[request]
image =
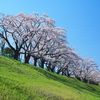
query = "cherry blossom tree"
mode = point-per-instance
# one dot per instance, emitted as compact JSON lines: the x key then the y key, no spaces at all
{"x":13,"y":30}
{"x":69,"y":59}
{"x":94,"y":77}
{"x":39,"y":40}
{"x":22,"y":28}
{"x":85,"y":69}
{"x":45,"y":41}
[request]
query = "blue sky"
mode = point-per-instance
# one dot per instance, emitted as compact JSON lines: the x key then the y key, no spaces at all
{"x":81,"y":19}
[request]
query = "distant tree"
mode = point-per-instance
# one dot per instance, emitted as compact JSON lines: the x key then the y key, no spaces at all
{"x":94,"y":77}
{"x":85,"y":69}
{"x":68,"y":62}
{"x":8,"y":51}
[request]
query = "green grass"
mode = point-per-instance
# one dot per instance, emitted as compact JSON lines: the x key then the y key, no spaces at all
{"x":19,"y":81}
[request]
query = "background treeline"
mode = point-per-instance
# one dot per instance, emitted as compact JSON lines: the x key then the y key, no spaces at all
{"x":36,"y":38}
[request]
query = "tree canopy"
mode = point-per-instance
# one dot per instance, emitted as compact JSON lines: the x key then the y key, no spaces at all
{"x":39,"y":40}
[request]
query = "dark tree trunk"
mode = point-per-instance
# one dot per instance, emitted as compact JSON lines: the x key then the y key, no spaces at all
{"x":2,"y":47}
{"x":67,"y":71}
{"x":59,"y":70}
{"x":53,"y":69}
{"x":42,"y":63}
{"x":85,"y":80}
{"x":78,"y":78}
{"x":63,"y":73}
{"x":48,"y":66}
{"x":27,"y":58}
{"x":16,"y":55}
{"x":68,"y":74}
{"x":35,"y":61}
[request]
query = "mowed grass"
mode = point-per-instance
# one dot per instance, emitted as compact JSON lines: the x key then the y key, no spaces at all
{"x":19,"y":81}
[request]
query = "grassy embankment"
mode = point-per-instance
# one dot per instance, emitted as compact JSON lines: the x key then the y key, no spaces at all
{"x":19,"y":81}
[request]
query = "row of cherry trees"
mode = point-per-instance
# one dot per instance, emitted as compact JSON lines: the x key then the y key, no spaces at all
{"x":41,"y":42}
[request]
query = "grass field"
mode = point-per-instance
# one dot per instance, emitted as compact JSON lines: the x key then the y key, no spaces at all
{"x":19,"y":81}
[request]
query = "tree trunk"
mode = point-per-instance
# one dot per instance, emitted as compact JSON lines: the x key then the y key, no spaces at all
{"x":2,"y":47}
{"x":16,"y":55}
{"x":85,"y":80}
{"x":53,"y":69}
{"x":48,"y":66}
{"x":42,"y":63}
{"x":35,"y":61}
{"x":59,"y":70}
{"x":68,"y":74}
{"x":27,"y":58}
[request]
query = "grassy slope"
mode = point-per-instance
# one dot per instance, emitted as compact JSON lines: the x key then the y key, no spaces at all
{"x":20,"y":81}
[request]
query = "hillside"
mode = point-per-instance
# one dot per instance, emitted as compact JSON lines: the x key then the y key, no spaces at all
{"x":19,"y":81}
